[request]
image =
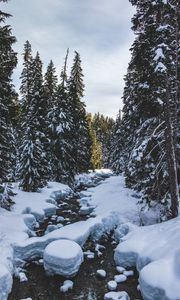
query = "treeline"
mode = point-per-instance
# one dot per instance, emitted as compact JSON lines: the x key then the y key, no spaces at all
{"x":147,"y":137}
{"x":46,"y":133}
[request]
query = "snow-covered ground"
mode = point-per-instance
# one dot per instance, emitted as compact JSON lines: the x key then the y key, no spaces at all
{"x":155,"y":251}
{"x":29,"y":208}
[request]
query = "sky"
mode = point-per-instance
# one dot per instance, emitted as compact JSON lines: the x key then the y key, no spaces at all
{"x":98,"y":29}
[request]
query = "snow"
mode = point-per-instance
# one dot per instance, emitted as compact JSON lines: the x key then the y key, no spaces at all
{"x":116,"y":296}
{"x":111,"y":196}
{"x":120,"y":278}
{"x":101,"y":273}
{"x":63,"y":257}
{"x":18,"y":224}
{"x":67,"y":285}
{"x":120,"y":269}
{"x":155,"y":251}
{"x":43,"y":203}
{"x":160,"y":67}
{"x":112,"y":202}
{"x":112,"y":285}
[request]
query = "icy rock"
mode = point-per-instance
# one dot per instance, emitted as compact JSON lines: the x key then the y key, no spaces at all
{"x":101,"y":273}
{"x":120,"y":278}
{"x":116,"y":296}
{"x":112,"y":285}
{"x":120,"y":269}
{"x":63,"y":257}
{"x":85,"y":210}
{"x":53,"y":218}
{"x":89,"y":254}
{"x":50,"y":228}
{"x":60,"y":219}
{"x":128,"y":273}
{"x":27,"y":299}
{"x":67,"y":285}
{"x":22,"y":277}
{"x":41,"y":261}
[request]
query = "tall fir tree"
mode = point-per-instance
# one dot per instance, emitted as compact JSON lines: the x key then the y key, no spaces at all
{"x":143,"y":123}
{"x":61,"y":128}
{"x":81,"y":140}
{"x":33,"y":165}
{"x":8,"y":61}
{"x":96,"y":148}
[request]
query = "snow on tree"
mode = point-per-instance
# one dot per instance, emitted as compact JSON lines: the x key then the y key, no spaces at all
{"x":33,"y":165}
{"x":143,"y":123}
{"x":61,"y":133}
{"x":81,"y":140}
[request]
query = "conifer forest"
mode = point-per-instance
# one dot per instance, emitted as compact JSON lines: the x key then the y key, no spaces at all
{"x":89,"y":200}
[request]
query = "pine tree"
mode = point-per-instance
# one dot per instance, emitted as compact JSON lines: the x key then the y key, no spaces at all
{"x":61,"y":128}
{"x":25,"y":88}
{"x":96,"y":149}
{"x":50,"y":95}
{"x":104,"y":129}
{"x":143,"y":123}
{"x":81,"y":140}
{"x":116,"y":162}
{"x":8,"y":61}
{"x":33,"y":166}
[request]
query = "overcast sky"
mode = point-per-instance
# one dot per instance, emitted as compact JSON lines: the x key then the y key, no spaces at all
{"x":98,"y":29}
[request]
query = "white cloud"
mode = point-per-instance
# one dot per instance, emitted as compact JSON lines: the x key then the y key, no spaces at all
{"x":98,"y":29}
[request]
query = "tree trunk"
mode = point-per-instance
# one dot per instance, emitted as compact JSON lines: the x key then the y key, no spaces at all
{"x":170,"y":155}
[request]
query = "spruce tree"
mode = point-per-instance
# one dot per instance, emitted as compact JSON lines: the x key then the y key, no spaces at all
{"x":143,"y":124}
{"x":96,"y":148}
{"x":116,"y":162}
{"x":33,"y":166}
{"x":81,"y":140}
{"x":8,"y":61}
{"x":61,"y":128}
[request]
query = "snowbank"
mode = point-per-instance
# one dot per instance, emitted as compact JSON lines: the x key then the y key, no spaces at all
{"x":41,"y":204}
{"x":155,"y":251}
{"x":18,"y":224}
{"x":63,"y":257}
{"x":92,"y":178}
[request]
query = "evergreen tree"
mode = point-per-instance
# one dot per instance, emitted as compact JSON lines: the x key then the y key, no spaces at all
{"x":33,"y":166}
{"x":104,"y":129}
{"x":116,"y":162}
{"x":96,"y":149}
{"x":80,"y":135}
{"x":61,"y":128}
{"x":50,"y":95}
{"x":25,"y":88}
{"x":8,"y":61}
{"x":143,"y":124}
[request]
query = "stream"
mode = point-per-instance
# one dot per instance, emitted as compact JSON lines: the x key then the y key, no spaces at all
{"x":87,"y":285}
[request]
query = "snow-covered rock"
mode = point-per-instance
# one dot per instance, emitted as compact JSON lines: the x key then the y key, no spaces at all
{"x":63,"y":257}
{"x":101,"y":273}
{"x":128,"y":273}
{"x":50,"y":228}
{"x":112,"y":285}
{"x":120,"y":278}
{"x":22,"y":277}
{"x":116,"y":296}
{"x":67,"y":285}
{"x":120,"y":269}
